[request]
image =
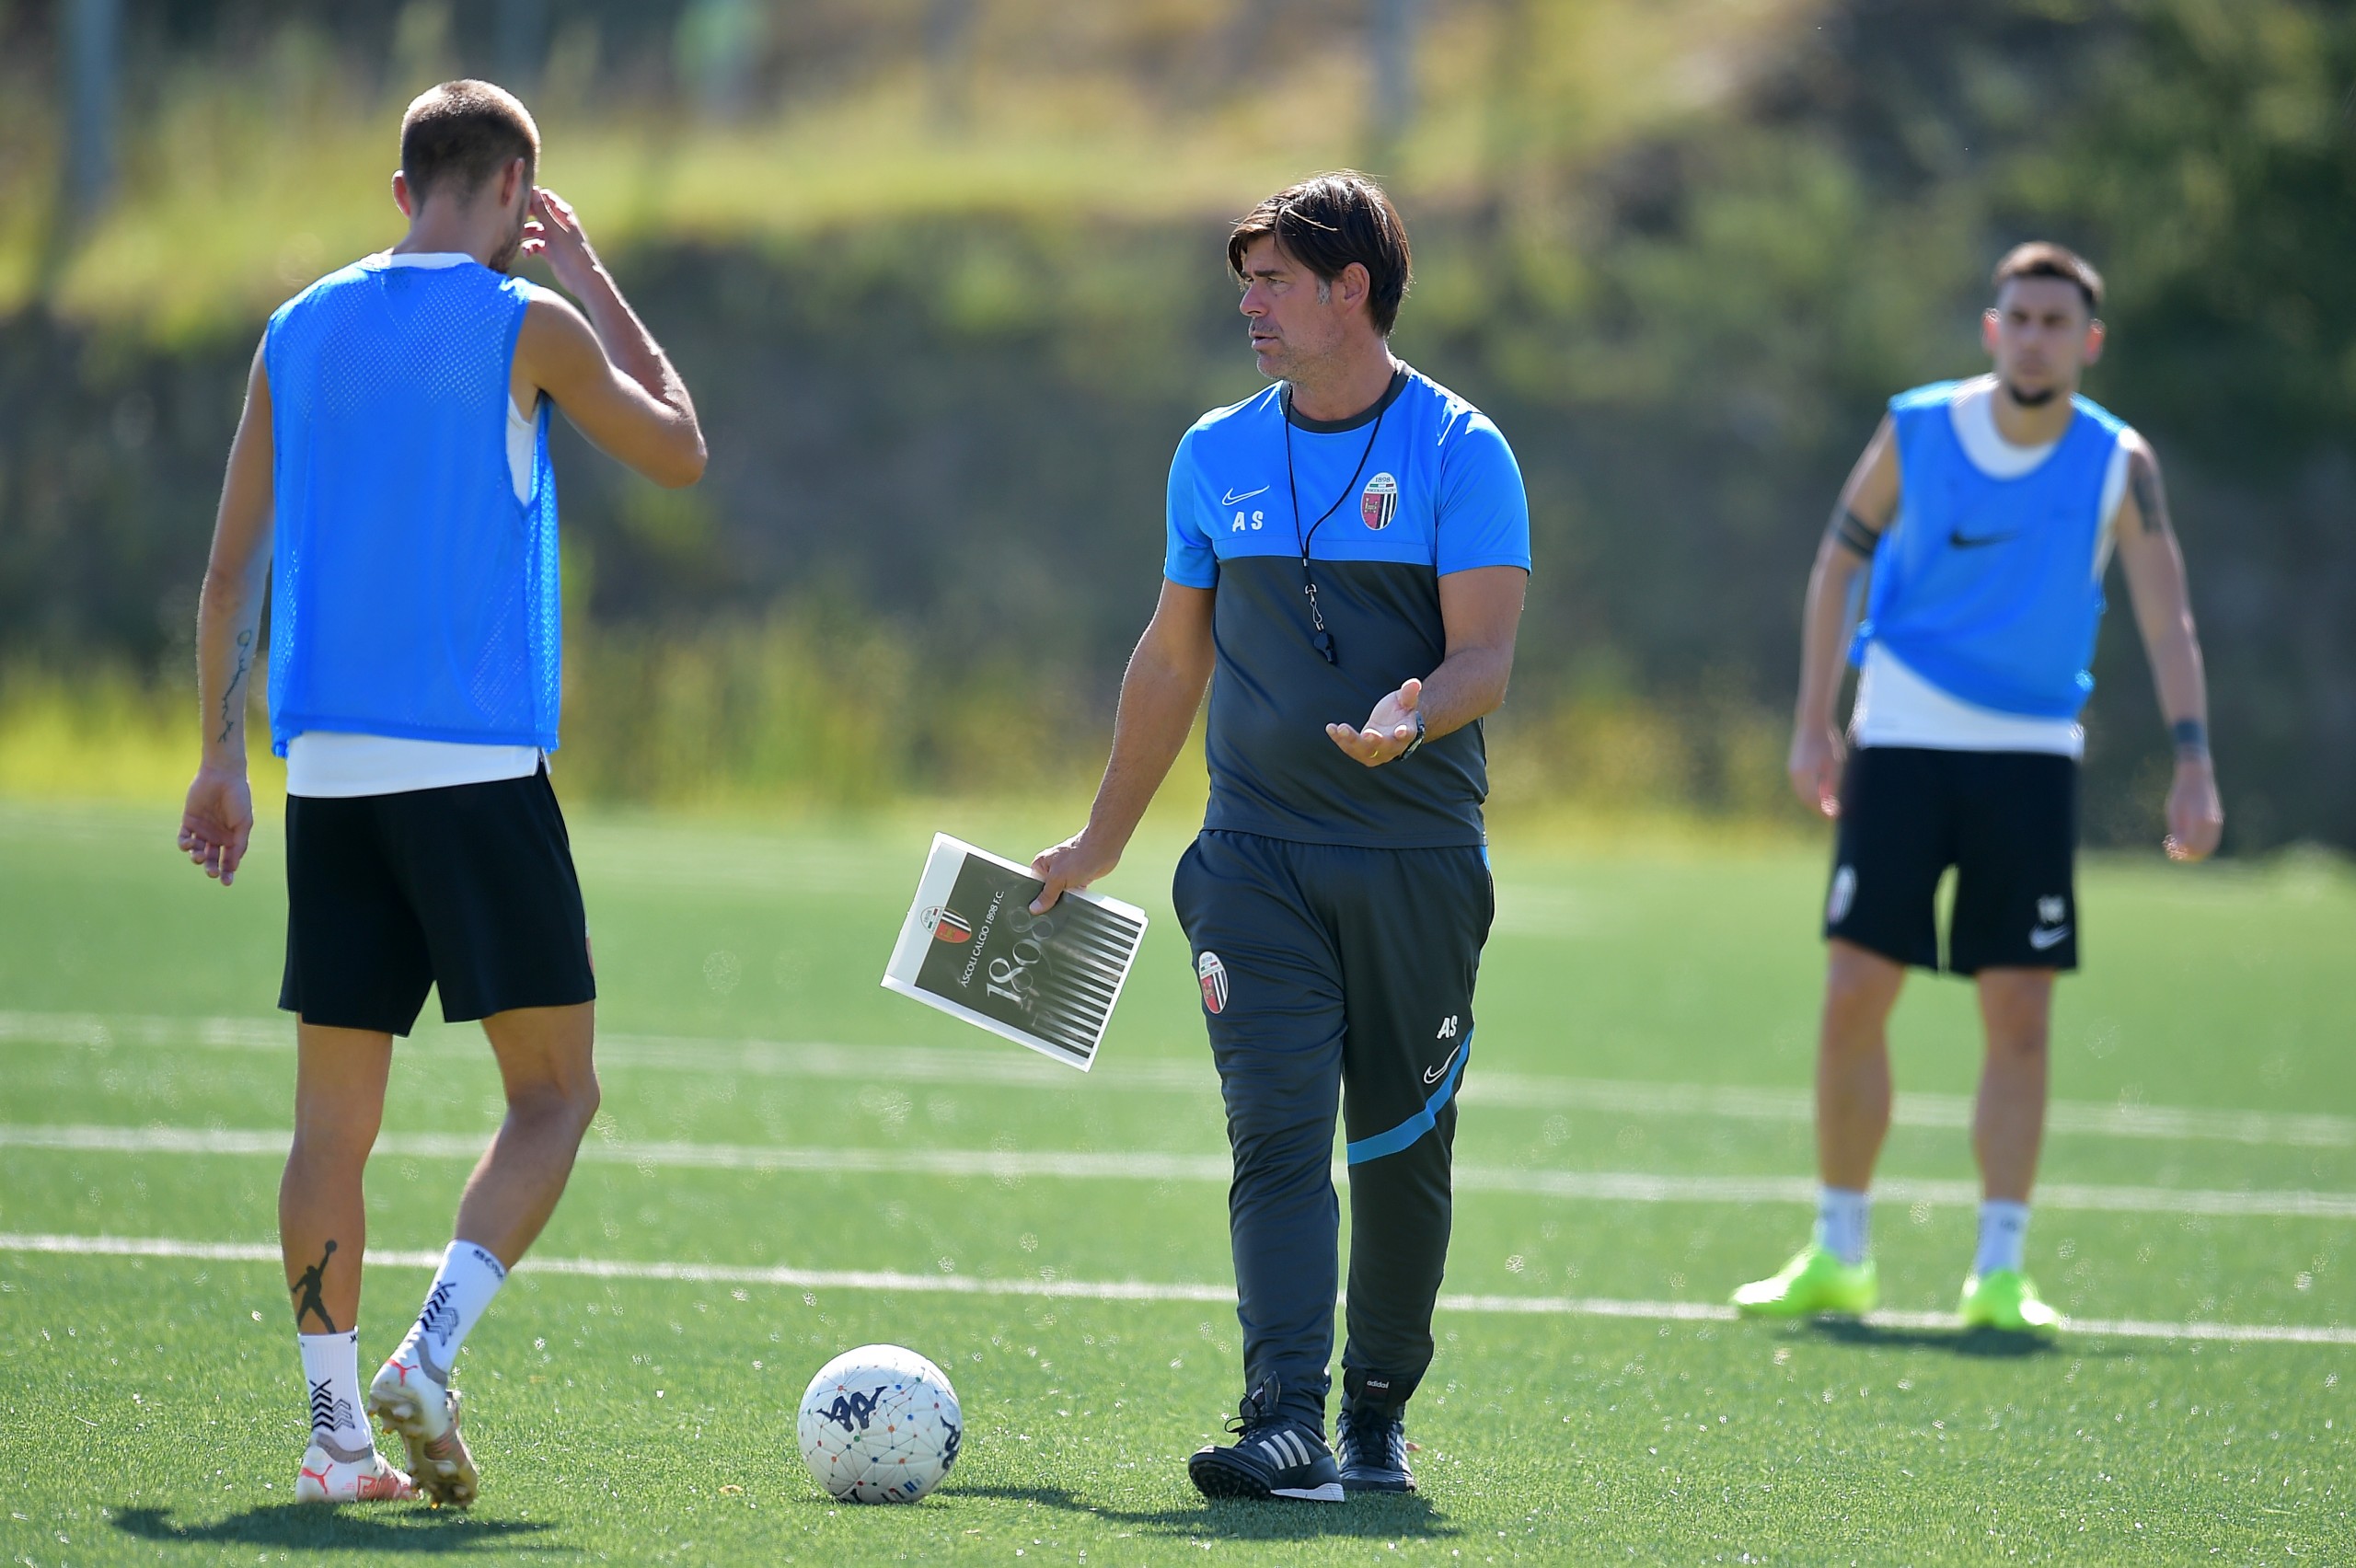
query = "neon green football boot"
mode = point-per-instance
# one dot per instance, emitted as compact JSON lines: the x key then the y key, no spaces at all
{"x":2006,"y":1299}
{"x":1816,"y":1281}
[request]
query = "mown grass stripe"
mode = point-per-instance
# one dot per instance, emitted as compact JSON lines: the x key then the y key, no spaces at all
{"x":985,"y":1064}
{"x":1593,"y":1186}
{"x":1115,"y":1290}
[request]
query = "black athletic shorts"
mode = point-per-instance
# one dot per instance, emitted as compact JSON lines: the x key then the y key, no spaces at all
{"x":2007,"y":820}
{"x":470,"y":888}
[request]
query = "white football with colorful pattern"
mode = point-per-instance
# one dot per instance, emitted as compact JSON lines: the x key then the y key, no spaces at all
{"x":880,"y":1424}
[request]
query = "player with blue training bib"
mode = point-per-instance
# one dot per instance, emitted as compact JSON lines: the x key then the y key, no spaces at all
{"x":391,"y":472}
{"x":1988,"y":511}
{"x":1347,"y":554}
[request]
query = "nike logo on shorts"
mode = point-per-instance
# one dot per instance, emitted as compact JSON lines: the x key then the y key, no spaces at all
{"x":1433,"y":1074}
{"x":2046,"y":937}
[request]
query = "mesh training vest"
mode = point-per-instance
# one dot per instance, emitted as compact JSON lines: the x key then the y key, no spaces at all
{"x":1989,"y":588}
{"x":414,"y":595}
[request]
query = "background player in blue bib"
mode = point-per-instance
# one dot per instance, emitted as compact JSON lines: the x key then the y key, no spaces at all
{"x":1988,"y":511}
{"x":392,"y":466}
{"x":1347,"y":557}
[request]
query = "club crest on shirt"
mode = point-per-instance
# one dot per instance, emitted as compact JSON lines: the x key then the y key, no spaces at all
{"x":947,"y":926}
{"x":1379,"y":502}
{"x":1213,"y":975}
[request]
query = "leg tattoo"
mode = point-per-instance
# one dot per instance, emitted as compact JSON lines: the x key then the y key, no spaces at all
{"x":307,"y":1289}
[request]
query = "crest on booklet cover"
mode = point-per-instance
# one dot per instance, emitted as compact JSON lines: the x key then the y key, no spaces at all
{"x":947,"y":925}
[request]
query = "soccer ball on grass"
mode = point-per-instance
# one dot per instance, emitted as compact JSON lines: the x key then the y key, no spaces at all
{"x":880,"y":1424}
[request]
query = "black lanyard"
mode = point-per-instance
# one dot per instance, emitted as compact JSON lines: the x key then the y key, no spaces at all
{"x":1321,"y":639}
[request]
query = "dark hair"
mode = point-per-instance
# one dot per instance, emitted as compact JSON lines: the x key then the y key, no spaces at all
{"x":1325,"y":222}
{"x":2043,"y":259}
{"x":461,"y":133}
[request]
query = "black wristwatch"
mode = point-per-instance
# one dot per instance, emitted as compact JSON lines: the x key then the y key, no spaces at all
{"x":1416,"y":742}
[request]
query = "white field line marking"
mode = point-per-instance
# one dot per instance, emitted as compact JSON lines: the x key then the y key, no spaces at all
{"x":1115,"y":1290}
{"x":1005,"y":1164}
{"x":1009,"y":1165}
{"x":771,"y":1059}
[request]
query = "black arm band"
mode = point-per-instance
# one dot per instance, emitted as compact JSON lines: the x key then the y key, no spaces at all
{"x":1854,"y":535}
{"x":2191,"y":737}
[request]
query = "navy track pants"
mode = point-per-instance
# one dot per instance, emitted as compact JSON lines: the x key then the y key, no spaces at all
{"x":1336,"y":978}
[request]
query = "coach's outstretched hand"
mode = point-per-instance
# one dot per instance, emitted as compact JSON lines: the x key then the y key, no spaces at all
{"x":1814,"y":767}
{"x":218,"y":822}
{"x":2196,"y":816}
{"x":1388,"y":731}
{"x":1076,"y":862}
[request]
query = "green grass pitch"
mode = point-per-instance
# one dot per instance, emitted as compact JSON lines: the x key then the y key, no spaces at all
{"x":1634,"y":1136}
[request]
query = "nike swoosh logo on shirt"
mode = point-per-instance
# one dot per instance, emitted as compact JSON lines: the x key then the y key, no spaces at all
{"x":1231,"y":497}
{"x":2041,"y":940}
{"x":1955,"y":537}
{"x":1433,"y":1074}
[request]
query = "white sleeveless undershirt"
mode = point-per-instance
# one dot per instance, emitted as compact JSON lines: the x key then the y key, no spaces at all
{"x":332,"y":764}
{"x":1896,"y":706}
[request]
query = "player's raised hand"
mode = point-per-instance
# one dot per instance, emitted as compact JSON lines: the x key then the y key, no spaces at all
{"x":1388,"y":732}
{"x":1076,"y":862}
{"x":555,"y":232}
{"x":2196,"y":816}
{"x":217,"y":823}
{"x":1814,"y":767}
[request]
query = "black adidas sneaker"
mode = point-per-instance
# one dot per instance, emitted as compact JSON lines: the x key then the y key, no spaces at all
{"x":1274,"y":1456}
{"x":1372,"y":1441}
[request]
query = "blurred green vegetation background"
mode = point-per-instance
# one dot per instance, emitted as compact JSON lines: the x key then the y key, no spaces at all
{"x":946,"y":279}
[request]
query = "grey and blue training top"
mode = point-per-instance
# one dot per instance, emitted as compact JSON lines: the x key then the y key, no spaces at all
{"x":1386,"y":513}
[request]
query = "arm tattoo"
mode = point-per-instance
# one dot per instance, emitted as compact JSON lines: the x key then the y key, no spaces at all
{"x":2191,"y":738}
{"x":230,"y":705}
{"x":2151,"y":497}
{"x":1855,"y":535}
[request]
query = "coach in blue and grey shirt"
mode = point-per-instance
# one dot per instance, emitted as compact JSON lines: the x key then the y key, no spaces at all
{"x":1352,"y":541}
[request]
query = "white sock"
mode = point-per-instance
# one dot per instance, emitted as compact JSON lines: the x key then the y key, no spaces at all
{"x":331,"y":1374}
{"x":1842,"y":1221}
{"x":463,"y":1286}
{"x":2003,"y":1236}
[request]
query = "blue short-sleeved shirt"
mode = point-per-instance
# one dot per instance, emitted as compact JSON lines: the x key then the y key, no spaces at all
{"x":1437,"y":492}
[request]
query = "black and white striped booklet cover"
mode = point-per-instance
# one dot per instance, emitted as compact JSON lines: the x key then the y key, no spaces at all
{"x":972,"y":947}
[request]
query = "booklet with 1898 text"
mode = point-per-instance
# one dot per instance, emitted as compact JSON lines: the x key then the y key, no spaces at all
{"x":972,"y":947}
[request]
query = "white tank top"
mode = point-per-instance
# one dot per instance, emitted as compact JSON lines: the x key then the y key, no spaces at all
{"x":333,"y":764}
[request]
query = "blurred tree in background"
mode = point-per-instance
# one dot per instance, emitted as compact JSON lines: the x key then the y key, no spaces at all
{"x":945,"y":276}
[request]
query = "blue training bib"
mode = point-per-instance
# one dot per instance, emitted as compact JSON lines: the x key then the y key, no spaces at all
{"x":414,"y":596}
{"x":1991,"y":589}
